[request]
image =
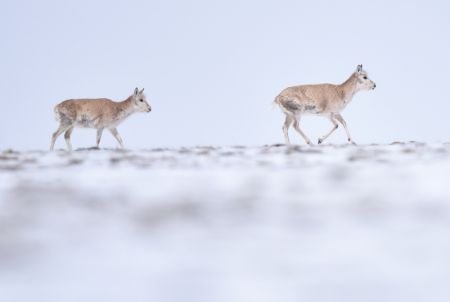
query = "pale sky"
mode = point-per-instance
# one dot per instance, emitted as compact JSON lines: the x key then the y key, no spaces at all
{"x":211,"y":69}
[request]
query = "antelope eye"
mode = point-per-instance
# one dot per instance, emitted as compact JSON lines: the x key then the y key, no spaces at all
{"x":141,"y":100}
{"x":365,"y":78}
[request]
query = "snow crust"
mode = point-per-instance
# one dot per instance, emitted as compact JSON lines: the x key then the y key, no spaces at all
{"x":270,"y":223}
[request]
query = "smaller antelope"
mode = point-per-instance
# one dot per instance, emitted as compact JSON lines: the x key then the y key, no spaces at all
{"x":98,"y":114}
{"x":321,"y":99}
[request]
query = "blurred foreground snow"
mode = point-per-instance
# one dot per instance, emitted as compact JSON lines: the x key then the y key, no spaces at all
{"x":323,"y":223}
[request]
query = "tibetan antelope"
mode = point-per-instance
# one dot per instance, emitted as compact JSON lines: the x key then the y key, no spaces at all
{"x":98,"y":114}
{"x":327,"y":100}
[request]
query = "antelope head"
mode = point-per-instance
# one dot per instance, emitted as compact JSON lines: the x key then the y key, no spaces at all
{"x":140,"y":101}
{"x":364,"y":83}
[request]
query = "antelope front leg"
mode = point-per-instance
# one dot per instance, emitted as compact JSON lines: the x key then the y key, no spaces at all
{"x":99,"y":136}
{"x":342,"y":121}
{"x":116,"y":135}
{"x":335,"y":126}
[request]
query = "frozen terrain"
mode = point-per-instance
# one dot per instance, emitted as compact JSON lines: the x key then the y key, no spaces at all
{"x":271,"y":223}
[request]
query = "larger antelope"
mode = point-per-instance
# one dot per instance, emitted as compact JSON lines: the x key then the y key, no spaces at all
{"x":98,"y":114}
{"x":321,"y":99}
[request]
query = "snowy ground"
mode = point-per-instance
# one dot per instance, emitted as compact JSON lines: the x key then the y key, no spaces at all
{"x":323,"y":223}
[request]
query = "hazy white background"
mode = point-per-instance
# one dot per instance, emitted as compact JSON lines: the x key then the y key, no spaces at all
{"x":212,"y":68}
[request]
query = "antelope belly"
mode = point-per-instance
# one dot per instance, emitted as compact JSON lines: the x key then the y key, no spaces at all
{"x":87,"y":122}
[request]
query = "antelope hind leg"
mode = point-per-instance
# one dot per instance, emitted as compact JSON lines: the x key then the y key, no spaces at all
{"x":287,"y":123}
{"x":297,"y":128}
{"x":67,"y":138}
{"x":57,"y":133}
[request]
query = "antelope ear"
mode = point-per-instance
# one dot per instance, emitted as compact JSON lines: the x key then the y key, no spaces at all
{"x":359,"y":68}
{"x":140,"y":92}
{"x":136,"y":91}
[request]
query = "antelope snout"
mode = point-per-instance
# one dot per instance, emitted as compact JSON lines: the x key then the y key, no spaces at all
{"x":149,"y":109}
{"x":374,"y":86}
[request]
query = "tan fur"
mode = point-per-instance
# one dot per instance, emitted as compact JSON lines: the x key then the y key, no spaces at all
{"x":98,"y":114}
{"x":321,"y":99}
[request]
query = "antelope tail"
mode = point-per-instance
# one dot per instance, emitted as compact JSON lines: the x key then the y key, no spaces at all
{"x":57,"y":114}
{"x":276,"y":101}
